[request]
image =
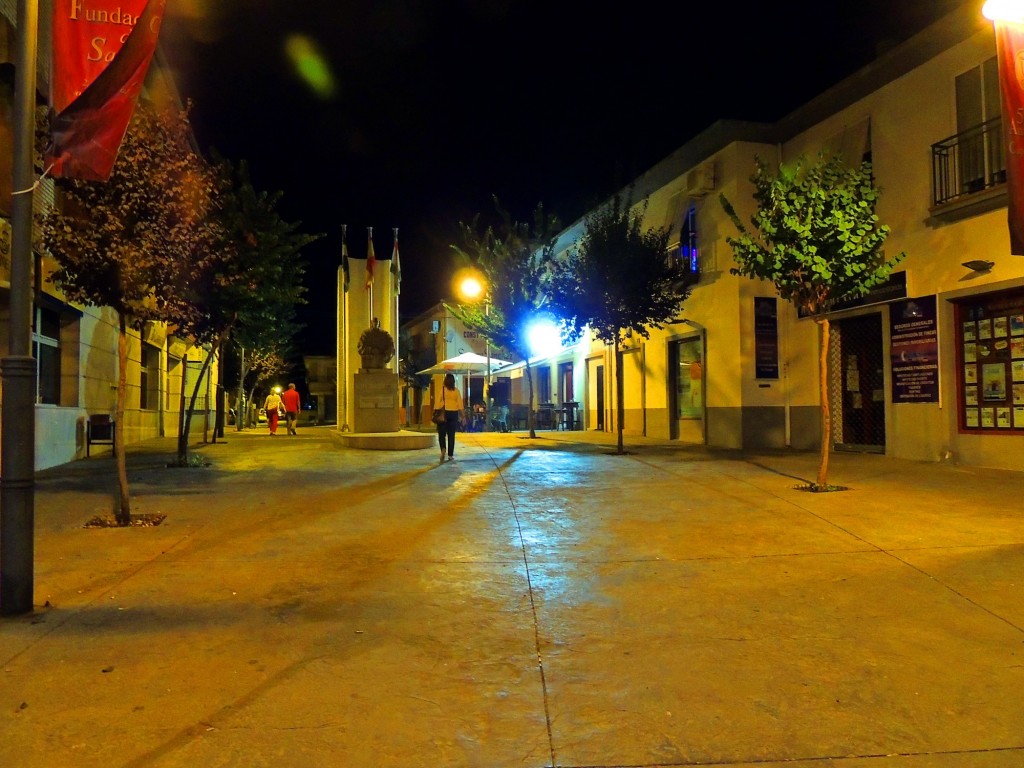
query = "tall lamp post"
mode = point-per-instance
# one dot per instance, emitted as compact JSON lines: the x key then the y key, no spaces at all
{"x":17,"y":457}
{"x":471,"y":287}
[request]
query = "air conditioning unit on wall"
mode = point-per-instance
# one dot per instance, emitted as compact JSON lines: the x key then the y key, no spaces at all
{"x":701,"y":180}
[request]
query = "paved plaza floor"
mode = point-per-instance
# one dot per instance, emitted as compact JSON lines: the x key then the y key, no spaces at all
{"x":536,"y":603}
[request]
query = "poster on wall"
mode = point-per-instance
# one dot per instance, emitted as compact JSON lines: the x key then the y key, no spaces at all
{"x":993,"y":382}
{"x":913,"y":333}
{"x":766,"y":338}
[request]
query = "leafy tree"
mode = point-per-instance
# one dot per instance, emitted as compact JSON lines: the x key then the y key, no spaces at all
{"x":134,"y":242}
{"x":258,"y":362}
{"x":252,"y":285}
{"x":618,"y":280}
{"x":412,"y":358}
{"x":264,"y":364}
{"x":515,"y":259}
{"x":815,"y":236}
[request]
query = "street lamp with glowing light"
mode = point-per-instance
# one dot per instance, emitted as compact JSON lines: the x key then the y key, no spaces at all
{"x":543,"y":337}
{"x":1004,"y":10}
{"x":471,"y":287}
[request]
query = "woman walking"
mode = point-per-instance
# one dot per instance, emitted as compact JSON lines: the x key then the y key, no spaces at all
{"x":450,"y":400}
{"x":271,"y":406}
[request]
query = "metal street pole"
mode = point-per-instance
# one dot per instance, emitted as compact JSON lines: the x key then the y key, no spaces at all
{"x":18,"y":369}
{"x":487,"y":383}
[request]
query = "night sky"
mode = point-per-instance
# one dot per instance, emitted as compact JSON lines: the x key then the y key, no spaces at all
{"x":422,"y":111}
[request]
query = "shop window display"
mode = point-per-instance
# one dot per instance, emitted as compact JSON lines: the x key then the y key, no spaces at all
{"x":990,"y":356}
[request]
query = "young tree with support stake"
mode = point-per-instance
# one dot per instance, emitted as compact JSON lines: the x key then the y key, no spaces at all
{"x":815,"y":236}
{"x":619,"y":280}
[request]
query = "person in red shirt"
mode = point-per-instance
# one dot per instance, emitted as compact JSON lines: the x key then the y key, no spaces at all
{"x":290,"y":398}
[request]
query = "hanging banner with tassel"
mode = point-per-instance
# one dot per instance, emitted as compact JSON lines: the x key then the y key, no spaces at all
{"x":101,"y":53}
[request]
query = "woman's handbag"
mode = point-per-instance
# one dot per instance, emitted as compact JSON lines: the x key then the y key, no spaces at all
{"x":439,"y":416}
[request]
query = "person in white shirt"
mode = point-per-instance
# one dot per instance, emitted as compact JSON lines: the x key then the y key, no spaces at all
{"x":450,"y":400}
{"x":271,"y":406}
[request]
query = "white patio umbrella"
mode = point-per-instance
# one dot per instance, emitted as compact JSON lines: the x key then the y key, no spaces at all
{"x":467,"y":362}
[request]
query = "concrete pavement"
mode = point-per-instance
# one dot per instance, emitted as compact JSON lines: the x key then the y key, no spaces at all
{"x":536,"y":603}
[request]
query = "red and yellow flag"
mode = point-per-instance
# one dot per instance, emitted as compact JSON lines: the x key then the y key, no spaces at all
{"x":371,"y":262}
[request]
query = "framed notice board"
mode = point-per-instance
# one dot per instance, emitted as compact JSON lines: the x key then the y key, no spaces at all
{"x":990,"y":363}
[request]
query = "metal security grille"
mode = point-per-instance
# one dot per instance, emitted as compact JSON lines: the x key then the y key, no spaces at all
{"x":835,"y":383}
{"x":857,"y":378}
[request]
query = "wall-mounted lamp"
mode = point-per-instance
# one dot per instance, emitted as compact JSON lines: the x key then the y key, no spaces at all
{"x":979,"y":265}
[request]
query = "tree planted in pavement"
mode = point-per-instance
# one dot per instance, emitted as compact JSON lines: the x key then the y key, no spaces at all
{"x":134,"y":242}
{"x":252,"y":285}
{"x":618,"y":281}
{"x":816,"y":237}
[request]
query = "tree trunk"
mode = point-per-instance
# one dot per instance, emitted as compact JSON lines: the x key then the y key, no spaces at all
{"x":181,"y":403}
{"x":826,"y":416}
{"x":241,"y":404}
{"x":620,"y":396}
{"x":203,"y":370}
{"x":529,"y":405}
{"x":221,"y":416}
{"x":251,"y":414}
{"x":124,"y":507}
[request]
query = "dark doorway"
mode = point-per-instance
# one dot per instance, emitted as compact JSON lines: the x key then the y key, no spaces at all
{"x":863,"y":383}
{"x":600,"y":398}
{"x":501,"y":391}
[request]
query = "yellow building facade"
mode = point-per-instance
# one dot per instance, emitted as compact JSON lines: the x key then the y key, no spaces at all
{"x":928,"y":367}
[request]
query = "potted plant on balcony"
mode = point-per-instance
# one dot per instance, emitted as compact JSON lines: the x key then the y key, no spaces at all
{"x":376,"y":347}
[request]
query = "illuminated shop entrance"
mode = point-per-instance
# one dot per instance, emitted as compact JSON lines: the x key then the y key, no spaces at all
{"x":686,"y":366}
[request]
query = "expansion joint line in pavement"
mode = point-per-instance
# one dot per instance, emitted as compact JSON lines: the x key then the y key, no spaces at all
{"x":881,"y":550}
{"x":533,"y":604}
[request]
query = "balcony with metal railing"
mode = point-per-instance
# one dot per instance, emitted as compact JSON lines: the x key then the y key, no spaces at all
{"x":969,"y":172}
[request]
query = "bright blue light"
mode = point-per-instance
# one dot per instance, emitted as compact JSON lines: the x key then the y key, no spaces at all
{"x":543,"y":337}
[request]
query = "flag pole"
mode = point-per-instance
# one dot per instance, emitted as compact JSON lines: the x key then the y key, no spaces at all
{"x":344,"y":313}
{"x":394,"y":322}
{"x":370,"y":263}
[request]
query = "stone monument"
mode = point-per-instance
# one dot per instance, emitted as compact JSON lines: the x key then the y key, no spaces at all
{"x":376,"y":385}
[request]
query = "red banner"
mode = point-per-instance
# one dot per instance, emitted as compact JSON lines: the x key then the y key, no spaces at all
{"x":1010,"y":51}
{"x":102,"y":50}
